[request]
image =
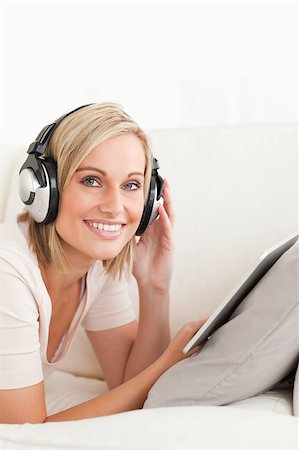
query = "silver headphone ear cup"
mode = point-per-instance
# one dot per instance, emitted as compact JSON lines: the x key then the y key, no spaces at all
{"x":28,"y":185}
{"x":40,"y":205}
{"x":155,"y":210}
{"x":38,"y":188}
{"x":41,"y":201}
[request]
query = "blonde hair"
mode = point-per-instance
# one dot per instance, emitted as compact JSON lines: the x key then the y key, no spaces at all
{"x":75,"y":137}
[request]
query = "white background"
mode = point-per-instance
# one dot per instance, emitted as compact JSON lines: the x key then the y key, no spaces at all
{"x":170,"y":64}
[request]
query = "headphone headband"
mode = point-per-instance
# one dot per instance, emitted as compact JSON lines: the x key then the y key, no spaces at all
{"x":43,"y":138}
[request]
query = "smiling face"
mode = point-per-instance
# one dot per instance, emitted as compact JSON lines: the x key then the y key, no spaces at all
{"x":101,"y":207}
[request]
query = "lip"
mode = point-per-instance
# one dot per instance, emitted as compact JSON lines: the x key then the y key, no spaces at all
{"x":105,"y":221}
{"x":107,"y":235}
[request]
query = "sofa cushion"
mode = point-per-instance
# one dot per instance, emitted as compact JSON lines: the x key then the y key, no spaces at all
{"x":249,"y":354}
{"x":185,"y":428}
{"x":64,"y":390}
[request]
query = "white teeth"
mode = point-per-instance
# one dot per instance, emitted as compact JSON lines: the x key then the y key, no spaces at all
{"x":105,"y":227}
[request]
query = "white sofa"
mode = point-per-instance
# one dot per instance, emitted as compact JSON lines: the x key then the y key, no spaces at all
{"x":235,"y":191}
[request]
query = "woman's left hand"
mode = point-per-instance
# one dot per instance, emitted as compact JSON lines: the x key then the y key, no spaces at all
{"x":153,"y":259}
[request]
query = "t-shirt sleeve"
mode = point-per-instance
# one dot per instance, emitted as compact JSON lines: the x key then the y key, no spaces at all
{"x":110,"y":307}
{"x":20,"y":361}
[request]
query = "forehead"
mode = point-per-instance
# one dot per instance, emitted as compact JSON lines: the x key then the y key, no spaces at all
{"x":120,"y":152}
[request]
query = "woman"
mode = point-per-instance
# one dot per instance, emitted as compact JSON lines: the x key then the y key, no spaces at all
{"x":65,"y":263}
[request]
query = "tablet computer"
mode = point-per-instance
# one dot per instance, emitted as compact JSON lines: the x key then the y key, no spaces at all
{"x":241,"y":290}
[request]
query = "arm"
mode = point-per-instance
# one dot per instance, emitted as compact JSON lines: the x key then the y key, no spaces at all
{"x":28,"y":404}
{"x":152,"y":270}
{"x":133,"y":393}
{"x":122,"y":349}
{"x":125,"y":351}
{"x":153,"y":333}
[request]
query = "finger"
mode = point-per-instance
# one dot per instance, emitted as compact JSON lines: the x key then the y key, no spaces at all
{"x":197,"y":324}
{"x":195,"y":350}
{"x":165,"y":221}
{"x":168,"y":205}
{"x":192,"y":327}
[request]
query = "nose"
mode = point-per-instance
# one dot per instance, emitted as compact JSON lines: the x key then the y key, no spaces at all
{"x":111,"y":202}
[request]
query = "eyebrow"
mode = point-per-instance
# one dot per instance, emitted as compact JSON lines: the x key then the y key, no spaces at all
{"x":95,"y":169}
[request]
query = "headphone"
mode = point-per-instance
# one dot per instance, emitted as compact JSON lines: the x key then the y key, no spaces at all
{"x":38,"y":187}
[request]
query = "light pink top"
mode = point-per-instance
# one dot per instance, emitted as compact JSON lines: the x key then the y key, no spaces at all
{"x":25,"y":310}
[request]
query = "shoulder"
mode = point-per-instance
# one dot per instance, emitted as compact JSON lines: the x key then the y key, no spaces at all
{"x":13,"y":237}
{"x":108,"y":301}
{"x":99,"y":279}
{"x":103,"y":289}
{"x":15,"y":254}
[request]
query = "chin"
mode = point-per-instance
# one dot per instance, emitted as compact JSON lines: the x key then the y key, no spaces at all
{"x":108,"y":254}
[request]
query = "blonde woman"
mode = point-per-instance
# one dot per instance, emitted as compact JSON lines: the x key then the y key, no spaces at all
{"x":86,"y":184}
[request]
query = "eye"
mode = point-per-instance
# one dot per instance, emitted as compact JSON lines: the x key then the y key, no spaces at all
{"x":132,"y":186}
{"x":91,"y":182}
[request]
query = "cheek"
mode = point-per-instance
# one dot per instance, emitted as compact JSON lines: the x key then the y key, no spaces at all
{"x":70,"y":206}
{"x":73,"y":202}
{"x":137,"y":209}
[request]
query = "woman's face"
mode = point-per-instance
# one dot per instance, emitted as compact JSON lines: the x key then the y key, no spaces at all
{"x":101,"y":207}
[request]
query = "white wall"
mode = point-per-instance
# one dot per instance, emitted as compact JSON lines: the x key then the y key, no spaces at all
{"x":170,"y":64}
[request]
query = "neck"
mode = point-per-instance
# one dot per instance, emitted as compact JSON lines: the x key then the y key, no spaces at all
{"x":60,"y":283}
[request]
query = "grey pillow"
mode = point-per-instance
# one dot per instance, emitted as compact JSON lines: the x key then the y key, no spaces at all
{"x":249,"y":354}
